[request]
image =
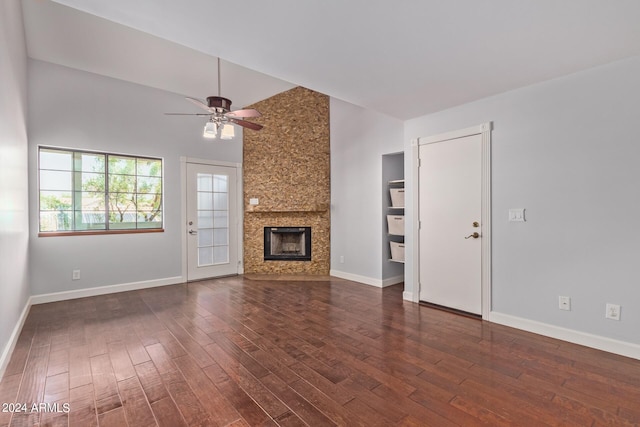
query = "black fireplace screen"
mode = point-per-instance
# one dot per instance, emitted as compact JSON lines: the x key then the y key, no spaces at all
{"x":287,"y":243}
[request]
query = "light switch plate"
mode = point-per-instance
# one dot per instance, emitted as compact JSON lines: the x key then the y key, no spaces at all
{"x":253,"y":201}
{"x":516,"y":215}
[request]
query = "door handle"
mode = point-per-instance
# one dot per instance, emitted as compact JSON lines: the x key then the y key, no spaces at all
{"x":474,"y":235}
{"x":192,"y":232}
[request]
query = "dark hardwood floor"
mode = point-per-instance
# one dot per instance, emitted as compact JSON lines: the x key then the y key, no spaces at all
{"x":240,"y":352}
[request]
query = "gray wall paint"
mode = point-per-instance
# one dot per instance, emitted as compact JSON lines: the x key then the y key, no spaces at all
{"x":70,"y":108}
{"x":14,"y":224}
{"x":567,"y":150}
{"x":359,"y":138}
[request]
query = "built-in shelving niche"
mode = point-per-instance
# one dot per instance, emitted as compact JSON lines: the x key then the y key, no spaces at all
{"x":392,"y":178}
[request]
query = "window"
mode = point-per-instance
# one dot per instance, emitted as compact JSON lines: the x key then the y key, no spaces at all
{"x":85,"y":192}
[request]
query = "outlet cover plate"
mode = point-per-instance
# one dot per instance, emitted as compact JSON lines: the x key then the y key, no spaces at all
{"x":613,"y":312}
{"x":564,"y":303}
{"x":516,"y":215}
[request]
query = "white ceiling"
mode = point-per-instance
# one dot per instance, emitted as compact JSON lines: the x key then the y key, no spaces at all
{"x":403,"y":58}
{"x":69,"y":37}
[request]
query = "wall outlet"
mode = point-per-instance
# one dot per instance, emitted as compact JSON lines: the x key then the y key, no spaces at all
{"x":564,"y":303}
{"x":613,"y":312}
{"x":75,"y":275}
{"x":341,"y":259}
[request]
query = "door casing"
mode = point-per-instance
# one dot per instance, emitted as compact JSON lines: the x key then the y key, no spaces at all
{"x":485,"y":131}
{"x":239,"y":210}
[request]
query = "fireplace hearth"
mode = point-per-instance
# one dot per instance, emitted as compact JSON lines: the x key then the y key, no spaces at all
{"x":287,"y":243}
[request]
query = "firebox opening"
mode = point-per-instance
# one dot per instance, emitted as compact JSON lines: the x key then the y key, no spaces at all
{"x":287,"y":243}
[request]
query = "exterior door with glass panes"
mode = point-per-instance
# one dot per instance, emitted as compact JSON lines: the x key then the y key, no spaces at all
{"x":212,"y":238}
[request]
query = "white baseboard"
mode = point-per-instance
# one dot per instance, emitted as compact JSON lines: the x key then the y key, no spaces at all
{"x":622,"y":348}
{"x":103,"y":290}
{"x":356,"y":278}
{"x":13,"y":339}
{"x":392,"y":280}
{"x":367,"y":280}
{"x":407,"y":296}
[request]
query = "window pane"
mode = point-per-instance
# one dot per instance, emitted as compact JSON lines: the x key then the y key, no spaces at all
{"x":149,"y":202}
{"x":148,"y":167}
{"x":56,"y":180}
{"x":149,"y":219}
{"x":90,"y":181}
{"x":89,"y":201}
{"x":122,"y":165}
{"x":55,"y":159}
{"x":77,"y":191}
{"x":122,"y":207}
{"x":122,"y":183}
{"x":89,"y":162}
{"x":55,"y":200}
{"x":56,"y":221}
{"x":149,"y":185}
{"x":90,"y":220}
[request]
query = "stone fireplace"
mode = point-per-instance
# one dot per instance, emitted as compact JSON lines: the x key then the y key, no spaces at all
{"x":287,"y":243}
{"x":286,"y":185}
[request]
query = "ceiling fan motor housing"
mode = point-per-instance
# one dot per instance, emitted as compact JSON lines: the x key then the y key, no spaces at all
{"x":219,"y":102}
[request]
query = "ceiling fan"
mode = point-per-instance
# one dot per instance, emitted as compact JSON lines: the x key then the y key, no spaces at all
{"x":218,"y":109}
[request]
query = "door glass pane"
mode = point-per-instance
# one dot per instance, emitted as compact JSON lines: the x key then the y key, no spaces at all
{"x":205,"y":256}
{"x":205,"y":200}
{"x":205,"y":237}
{"x":220,"y":237}
{"x":220,"y":183}
{"x":220,"y":201}
{"x":213,"y":222}
{"x":220,"y":219}
{"x":204,"y":182}
{"x":205,"y":219}
{"x":220,"y":254}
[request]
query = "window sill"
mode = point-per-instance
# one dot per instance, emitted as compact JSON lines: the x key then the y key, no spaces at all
{"x":99,"y":232}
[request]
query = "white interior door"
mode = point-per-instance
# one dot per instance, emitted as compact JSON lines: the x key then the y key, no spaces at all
{"x":212,"y":217}
{"x":450,"y":202}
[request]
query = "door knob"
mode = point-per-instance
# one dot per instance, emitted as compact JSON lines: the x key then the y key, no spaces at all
{"x":195,"y":232}
{"x":474,"y":235}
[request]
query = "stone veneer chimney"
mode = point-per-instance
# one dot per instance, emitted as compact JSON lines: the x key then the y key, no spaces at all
{"x":286,"y":167}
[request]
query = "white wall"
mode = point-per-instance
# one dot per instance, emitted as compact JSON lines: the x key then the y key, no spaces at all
{"x":359,"y":138}
{"x":567,"y":150}
{"x":70,"y":108}
{"x":14,"y":225}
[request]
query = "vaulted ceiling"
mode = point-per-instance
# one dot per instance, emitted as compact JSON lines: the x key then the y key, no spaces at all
{"x":402,"y":58}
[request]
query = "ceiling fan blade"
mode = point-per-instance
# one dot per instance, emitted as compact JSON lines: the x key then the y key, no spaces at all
{"x":199,"y":103}
{"x":246,"y":124}
{"x":248,"y":112}
{"x":188,"y":114}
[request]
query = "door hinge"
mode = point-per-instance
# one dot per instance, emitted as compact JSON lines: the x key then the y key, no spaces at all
{"x":419,"y":162}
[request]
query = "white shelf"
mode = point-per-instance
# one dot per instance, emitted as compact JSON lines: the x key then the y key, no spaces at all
{"x":397,"y":181}
{"x":395,"y":260}
{"x":396,"y":207}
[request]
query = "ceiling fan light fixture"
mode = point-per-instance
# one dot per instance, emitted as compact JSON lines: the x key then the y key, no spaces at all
{"x":227,"y":132}
{"x":210,"y":130}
